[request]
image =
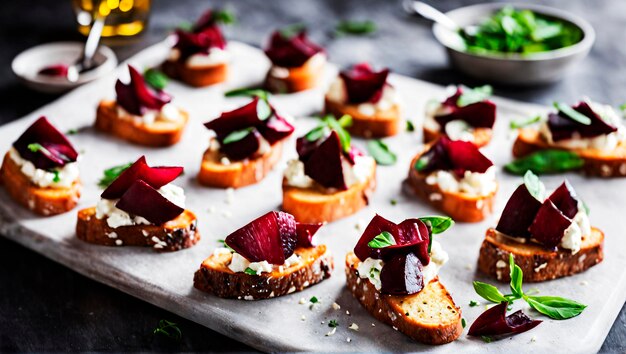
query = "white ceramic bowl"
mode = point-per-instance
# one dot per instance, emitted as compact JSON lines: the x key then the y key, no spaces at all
{"x":513,"y":68}
{"x":27,"y":64}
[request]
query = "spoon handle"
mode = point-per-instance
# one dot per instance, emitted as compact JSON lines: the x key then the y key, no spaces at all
{"x":431,"y":13}
{"x":92,"y":41}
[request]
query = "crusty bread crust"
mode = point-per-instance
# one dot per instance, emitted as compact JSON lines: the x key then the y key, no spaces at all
{"x":383,"y":123}
{"x":537,"y":262}
{"x":429,"y":317}
{"x":316,"y":204}
{"x":157,"y":134}
{"x":299,"y":79}
{"x":196,"y":76}
{"x":174,"y":235}
{"x":597,"y":162}
{"x":482,"y":136}
{"x":237,"y":173}
{"x":216,"y":278}
{"x":459,"y":206}
{"x":42,"y":201}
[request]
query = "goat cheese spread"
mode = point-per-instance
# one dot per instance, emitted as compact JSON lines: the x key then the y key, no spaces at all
{"x":63,"y":177}
{"x":239,"y":264}
{"x":472,"y":183}
{"x":168,"y":113}
{"x":389,"y":99}
{"x":353,"y":174}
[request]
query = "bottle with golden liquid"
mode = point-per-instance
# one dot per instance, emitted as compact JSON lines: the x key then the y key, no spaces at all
{"x":124,"y":18}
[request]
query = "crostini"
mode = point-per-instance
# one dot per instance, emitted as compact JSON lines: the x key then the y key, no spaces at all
{"x":141,"y":115}
{"x":456,"y":178}
{"x":368,"y":98}
{"x":40,"y":171}
{"x":393,"y":272}
{"x":141,"y":208}
{"x":297,"y":63}
{"x":330,"y":179}
{"x":199,"y":56}
{"x":271,"y":256}
{"x":467,"y":115}
{"x":246,"y":144}
{"x":588,"y":129}
{"x":550,"y":238}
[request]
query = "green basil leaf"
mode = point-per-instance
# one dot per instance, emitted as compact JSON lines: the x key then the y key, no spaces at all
{"x":534,"y":185}
{"x":111,"y":174}
{"x":250,"y":271}
{"x":410,"y":127}
{"x":489,"y":292}
{"x":345,"y":121}
{"x":263,"y":109}
{"x":344,"y":136}
{"x":525,"y":123}
{"x":421,"y":163}
{"x":292,"y":30}
{"x":555,"y":307}
{"x":316,"y":133}
{"x":381,"y":153}
{"x":572,"y":113}
{"x":156,"y":78}
{"x":517,"y":276}
{"x":382,"y":240}
{"x":546,"y":161}
{"x":35,"y":147}
{"x":224,"y":16}
{"x":623,"y":107}
{"x":185,"y":26}
{"x":56,"y":178}
{"x":475,"y":95}
{"x":437,"y":224}
{"x":355,"y":27}
{"x":237,"y":135}
{"x":248,"y":92}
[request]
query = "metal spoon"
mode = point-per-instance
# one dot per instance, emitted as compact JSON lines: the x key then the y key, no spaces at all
{"x":85,"y":62}
{"x":431,"y":13}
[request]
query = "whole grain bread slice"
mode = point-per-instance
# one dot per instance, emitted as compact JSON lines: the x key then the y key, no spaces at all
{"x":383,"y":123}
{"x":43,"y":201}
{"x":158,"y":134}
{"x":429,"y":317}
{"x":537,"y":262}
{"x":214,"y":276}
{"x":597,"y":162}
{"x":298,"y":79}
{"x":196,"y":76}
{"x":482,"y":136}
{"x":181,"y":232}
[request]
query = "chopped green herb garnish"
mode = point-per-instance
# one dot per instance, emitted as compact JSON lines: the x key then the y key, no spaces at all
{"x":463,"y":323}
{"x":410,"y":127}
{"x":248,"y":92}
{"x":35,"y":147}
{"x":225,"y":17}
{"x":185,"y":26}
{"x":292,"y":30}
{"x":394,"y":202}
{"x":374,"y":273}
{"x":486,"y":339}
{"x":111,"y":174}
{"x":250,"y":271}
{"x":437,"y":224}
{"x":347,"y":27}
{"x":237,"y":135}
{"x":56,"y":178}
{"x":313,"y":300}
{"x":72,"y":132}
{"x":168,"y":329}
{"x":382,"y":240}
{"x":524,"y":123}
{"x":473,"y":303}
{"x":333,"y":323}
{"x":406,"y":314}
{"x":381,"y":152}
{"x":263,"y":109}
{"x":421,"y":163}
{"x":329,"y":123}
{"x":156,"y":78}
{"x":471,"y":96}
{"x":546,"y":161}
{"x":572,"y":113}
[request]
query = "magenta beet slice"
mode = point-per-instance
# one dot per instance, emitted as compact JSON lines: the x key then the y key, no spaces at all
{"x":54,"y":70}
{"x":156,"y":177}
{"x":206,"y":20}
{"x":465,"y":156}
{"x":565,"y":199}
{"x":305,"y":233}
{"x":478,"y":115}
{"x":436,"y":158}
{"x":238,"y":119}
{"x":549,"y":225}
{"x":291,"y":52}
{"x":519,"y":213}
{"x":201,"y":42}
{"x":494,"y":322}
{"x":136,"y":98}
{"x":364,"y":84}
{"x":305,"y":148}
{"x":59,"y":150}
{"x":324,"y":164}
{"x":402,"y":275}
{"x":271,"y":237}
{"x":276,"y":129}
{"x":563,"y":127}
{"x":142,"y":200}
{"x":244,"y":148}
{"x":411,"y":236}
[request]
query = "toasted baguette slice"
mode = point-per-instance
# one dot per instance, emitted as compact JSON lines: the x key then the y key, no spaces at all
{"x":174,"y":235}
{"x":429,"y":317}
{"x":383,"y":123}
{"x":482,"y":136}
{"x":297,"y":79}
{"x":537,"y":262}
{"x":597,"y":162}
{"x":43,"y":201}
{"x":196,"y":76}
{"x":158,"y":134}
{"x":216,"y":278}
{"x":214,"y":173}
{"x":316,"y":204}
{"x":459,"y":206}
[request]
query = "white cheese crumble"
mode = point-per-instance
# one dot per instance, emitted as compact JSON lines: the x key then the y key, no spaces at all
{"x":389,"y":98}
{"x":580,"y":227}
{"x":239,"y":264}
{"x":472,"y":183}
{"x":168,"y":112}
{"x":65,"y":176}
{"x":459,"y":130}
{"x":353,"y":174}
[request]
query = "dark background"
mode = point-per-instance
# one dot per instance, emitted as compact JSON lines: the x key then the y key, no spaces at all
{"x":46,"y":307}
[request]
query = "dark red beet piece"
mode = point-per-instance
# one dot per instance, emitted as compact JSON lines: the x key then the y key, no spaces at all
{"x":402,"y":275}
{"x":478,"y":115}
{"x":136,"y":98}
{"x":241,"y":118}
{"x":59,"y":150}
{"x":411,"y":236}
{"x":143,"y":200}
{"x":465,"y":156}
{"x":306,"y":233}
{"x":206,"y":20}
{"x":241,"y":149}
{"x":563,"y":127}
{"x":519,"y":213}
{"x":156,"y":177}
{"x":364,"y":84}
{"x":291,"y":52}
{"x":565,"y":199}
{"x":324,"y":164}
{"x":190,"y":43}
{"x":494,"y":322}
{"x":54,"y":70}
{"x":277,"y":128}
{"x":271,"y":237}
{"x":549,"y":225}
{"x":305,"y":148}
{"x":436,"y":158}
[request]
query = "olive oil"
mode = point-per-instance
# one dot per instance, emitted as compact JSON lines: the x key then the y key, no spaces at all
{"x":124,"y":18}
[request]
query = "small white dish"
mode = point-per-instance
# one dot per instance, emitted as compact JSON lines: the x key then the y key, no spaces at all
{"x":27,"y":64}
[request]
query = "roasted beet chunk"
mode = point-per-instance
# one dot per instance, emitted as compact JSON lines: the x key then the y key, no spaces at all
{"x":549,"y":225}
{"x":136,"y":98}
{"x":291,"y":51}
{"x":156,"y":177}
{"x":478,"y":115}
{"x":563,"y":127}
{"x":494,"y":322}
{"x":306,"y":233}
{"x":143,"y":200}
{"x":565,"y":199}
{"x":364,"y":84}
{"x":324,"y":164}
{"x":457,"y":156}
{"x":402,"y":275}
{"x":519,"y":213}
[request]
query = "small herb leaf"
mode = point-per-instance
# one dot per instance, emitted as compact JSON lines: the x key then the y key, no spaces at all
{"x":56,"y":178}
{"x":355,"y":27}
{"x":555,"y":307}
{"x":292,"y":30}
{"x":313,"y":300}
{"x":572,"y":113}
{"x":546,"y":161}
{"x":237,"y":135}
{"x":410,"y":127}
{"x":477,"y":94}
{"x":534,"y":185}
{"x":316,"y":133}
{"x":333,"y":323}
{"x":224,"y":16}
{"x":110,"y":174}
{"x":248,"y":92}
{"x":517,"y":276}
{"x":489,"y":292}
{"x":437,"y":224}
{"x":156,"y":78}
{"x":382,"y":240}
{"x":168,"y":329}
{"x":421,"y":163}
{"x":263,"y":109}
{"x":250,"y":271}
{"x":381,"y":153}
{"x":524,"y":123}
